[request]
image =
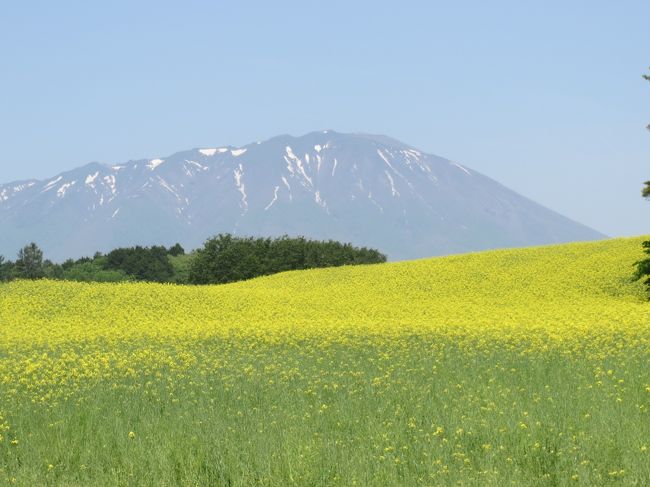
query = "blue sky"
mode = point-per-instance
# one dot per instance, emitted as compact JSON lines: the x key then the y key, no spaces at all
{"x":545,"y":97}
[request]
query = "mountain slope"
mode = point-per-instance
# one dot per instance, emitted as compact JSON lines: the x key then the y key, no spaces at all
{"x":370,"y":190}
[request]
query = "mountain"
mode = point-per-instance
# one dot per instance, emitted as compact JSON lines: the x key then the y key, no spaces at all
{"x":366,"y":189}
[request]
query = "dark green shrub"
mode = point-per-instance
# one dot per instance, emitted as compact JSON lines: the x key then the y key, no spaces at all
{"x":226,"y":258}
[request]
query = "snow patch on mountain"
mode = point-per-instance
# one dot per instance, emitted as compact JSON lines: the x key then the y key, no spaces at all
{"x":51,"y":184}
{"x":8,"y":192}
{"x":20,"y":187}
{"x":301,"y":169}
{"x":64,"y":187}
{"x":90,"y":179}
{"x":319,"y":201}
{"x":110,"y":182}
{"x":241,"y":187}
{"x":199,"y":166}
{"x":275,"y":198}
{"x":168,"y":187}
{"x":385,"y":159}
{"x":461,"y":168}
{"x":154,"y":163}
{"x":393,"y":190}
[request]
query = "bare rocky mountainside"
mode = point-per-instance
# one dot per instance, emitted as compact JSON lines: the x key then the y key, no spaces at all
{"x":365,"y":189}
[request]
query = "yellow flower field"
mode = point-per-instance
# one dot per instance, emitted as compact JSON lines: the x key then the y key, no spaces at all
{"x":509,"y":367}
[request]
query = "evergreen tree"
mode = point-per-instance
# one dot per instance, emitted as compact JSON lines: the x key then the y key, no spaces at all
{"x":29,"y":264}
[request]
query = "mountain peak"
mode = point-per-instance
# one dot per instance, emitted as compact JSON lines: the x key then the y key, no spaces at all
{"x":363,"y":188}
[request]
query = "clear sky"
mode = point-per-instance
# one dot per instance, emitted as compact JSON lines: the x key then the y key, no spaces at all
{"x":545,"y":97}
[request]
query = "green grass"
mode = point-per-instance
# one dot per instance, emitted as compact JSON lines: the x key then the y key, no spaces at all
{"x":347,"y":414}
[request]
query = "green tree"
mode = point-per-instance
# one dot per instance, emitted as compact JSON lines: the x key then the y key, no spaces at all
{"x":181,"y":265}
{"x":6,"y":269}
{"x":29,"y":264}
{"x":226,"y":258}
{"x":52,"y":270}
{"x":92,"y":271}
{"x":643,"y":266}
{"x":142,"y":263}
{"x":176,"y":250}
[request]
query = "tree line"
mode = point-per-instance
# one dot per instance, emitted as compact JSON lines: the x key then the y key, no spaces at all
{"x":222,"y":259}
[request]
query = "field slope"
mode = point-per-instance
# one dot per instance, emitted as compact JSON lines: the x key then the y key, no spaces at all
{"x":522,"y":367}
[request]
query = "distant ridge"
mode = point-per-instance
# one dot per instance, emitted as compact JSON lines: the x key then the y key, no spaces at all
{"x":366,"y":189}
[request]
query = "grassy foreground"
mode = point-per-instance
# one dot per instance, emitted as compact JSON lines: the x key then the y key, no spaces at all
{"x":512,"y":367}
